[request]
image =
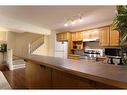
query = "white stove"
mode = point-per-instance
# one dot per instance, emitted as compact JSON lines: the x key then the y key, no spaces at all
{"x":93,"y":53}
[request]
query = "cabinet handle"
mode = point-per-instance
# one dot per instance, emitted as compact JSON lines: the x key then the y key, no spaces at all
{"x":42,"y":66}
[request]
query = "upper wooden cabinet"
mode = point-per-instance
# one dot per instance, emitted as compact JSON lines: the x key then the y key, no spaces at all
{"x":104,"y":36}
{"x":86,"y":35}
{"x":64,"y":36}
{"x":109,"y":37}
{"x":77,"y":36}
{"x":114,"y":37}
{"x":91,"y":34}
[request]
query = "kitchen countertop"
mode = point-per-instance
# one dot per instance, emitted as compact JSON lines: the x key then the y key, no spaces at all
{"x":115,"y":75}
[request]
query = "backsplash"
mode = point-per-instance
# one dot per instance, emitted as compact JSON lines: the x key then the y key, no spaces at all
{"x":92,"y":45}
{"x":88,"y":45}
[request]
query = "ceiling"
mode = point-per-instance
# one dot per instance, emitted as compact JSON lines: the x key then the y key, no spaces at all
{"x":54,"y":17}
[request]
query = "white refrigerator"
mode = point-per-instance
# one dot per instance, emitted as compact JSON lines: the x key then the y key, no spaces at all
{"x":61,"y":49}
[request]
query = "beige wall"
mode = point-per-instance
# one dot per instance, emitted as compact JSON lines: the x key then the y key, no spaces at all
{"x":22,"y":42}
{"x":2,"y":40}
{"x":52,"y":39}
{"x":11,"y":41}
{"x":43,"y":49}
{"x":3,"y":37}
{"x":19,"y":42}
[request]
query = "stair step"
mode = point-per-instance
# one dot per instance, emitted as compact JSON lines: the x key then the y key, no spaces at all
{"x":18,"y":63}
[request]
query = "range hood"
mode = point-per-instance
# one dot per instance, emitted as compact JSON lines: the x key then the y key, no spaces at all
{"x":91,"y":40}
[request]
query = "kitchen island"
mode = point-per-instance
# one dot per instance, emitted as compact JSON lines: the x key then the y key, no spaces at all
{"x":56,"y":73}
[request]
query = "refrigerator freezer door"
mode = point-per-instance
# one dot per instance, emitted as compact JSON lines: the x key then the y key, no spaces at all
{"x":59,"y":46}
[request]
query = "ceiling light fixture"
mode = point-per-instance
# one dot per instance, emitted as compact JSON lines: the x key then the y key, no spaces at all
{"x":73,"y":20}
{"x":66,"y":25}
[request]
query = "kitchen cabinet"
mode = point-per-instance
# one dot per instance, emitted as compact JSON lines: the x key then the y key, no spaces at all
{"x":62,"y":80}
{"x":73,"y":36}
{"x":64,"y":36}
{"x":74,"y":57}
{"x":86,"y":35}
{"x":37,"y":76}
{"x":40,"y":76}
{"x":104,"y":36}
{"x":3,"y":36}
{"x":114,"y":37}
{"x":91,"y":34}
{"x":77,"y":36}
{"x":95,"y":33}
{"x":109,"y":37}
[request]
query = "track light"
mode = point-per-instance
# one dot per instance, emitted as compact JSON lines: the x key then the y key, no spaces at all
{"x":73,"y":20}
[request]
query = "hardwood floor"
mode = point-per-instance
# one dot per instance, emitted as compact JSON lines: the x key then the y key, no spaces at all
{"x":16,"y":78}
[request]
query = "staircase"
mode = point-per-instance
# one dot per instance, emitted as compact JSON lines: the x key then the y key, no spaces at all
{"x":16,"y":62}
{"x":36,"y":44}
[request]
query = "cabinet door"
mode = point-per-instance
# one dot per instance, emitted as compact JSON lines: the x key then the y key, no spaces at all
{"x":65,"y":36}
{"x":79,"y":36}
{"x":37,"y":76}
{"x":62,"y":80}
{"x":104,"y":36}
{"x":62,"y":36}
{"x":73,"y":35}
{"x":86,"y":35}
{"x":59,"y":37}
{"x":95,"y":33}
{"x":114,"y":37}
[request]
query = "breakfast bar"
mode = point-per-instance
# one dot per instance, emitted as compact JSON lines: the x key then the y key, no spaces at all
{"x":51,"y":72}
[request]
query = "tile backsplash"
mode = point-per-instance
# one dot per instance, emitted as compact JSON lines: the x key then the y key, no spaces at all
{"x":92,"y":45}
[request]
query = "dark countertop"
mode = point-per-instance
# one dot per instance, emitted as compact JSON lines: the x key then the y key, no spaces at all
{"x":114,"y":75}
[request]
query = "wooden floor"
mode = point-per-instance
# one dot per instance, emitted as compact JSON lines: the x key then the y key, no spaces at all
{"x":16,"y":78}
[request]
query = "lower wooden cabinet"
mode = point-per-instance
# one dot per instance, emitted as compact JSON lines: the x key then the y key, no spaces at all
{"x":42,"y":77}
{"x":37,"y":76}
{"x":99,"y":85}
{"x":62,"y":80}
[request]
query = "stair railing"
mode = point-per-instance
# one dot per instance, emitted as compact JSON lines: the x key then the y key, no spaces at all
{"x":34,"y":45}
